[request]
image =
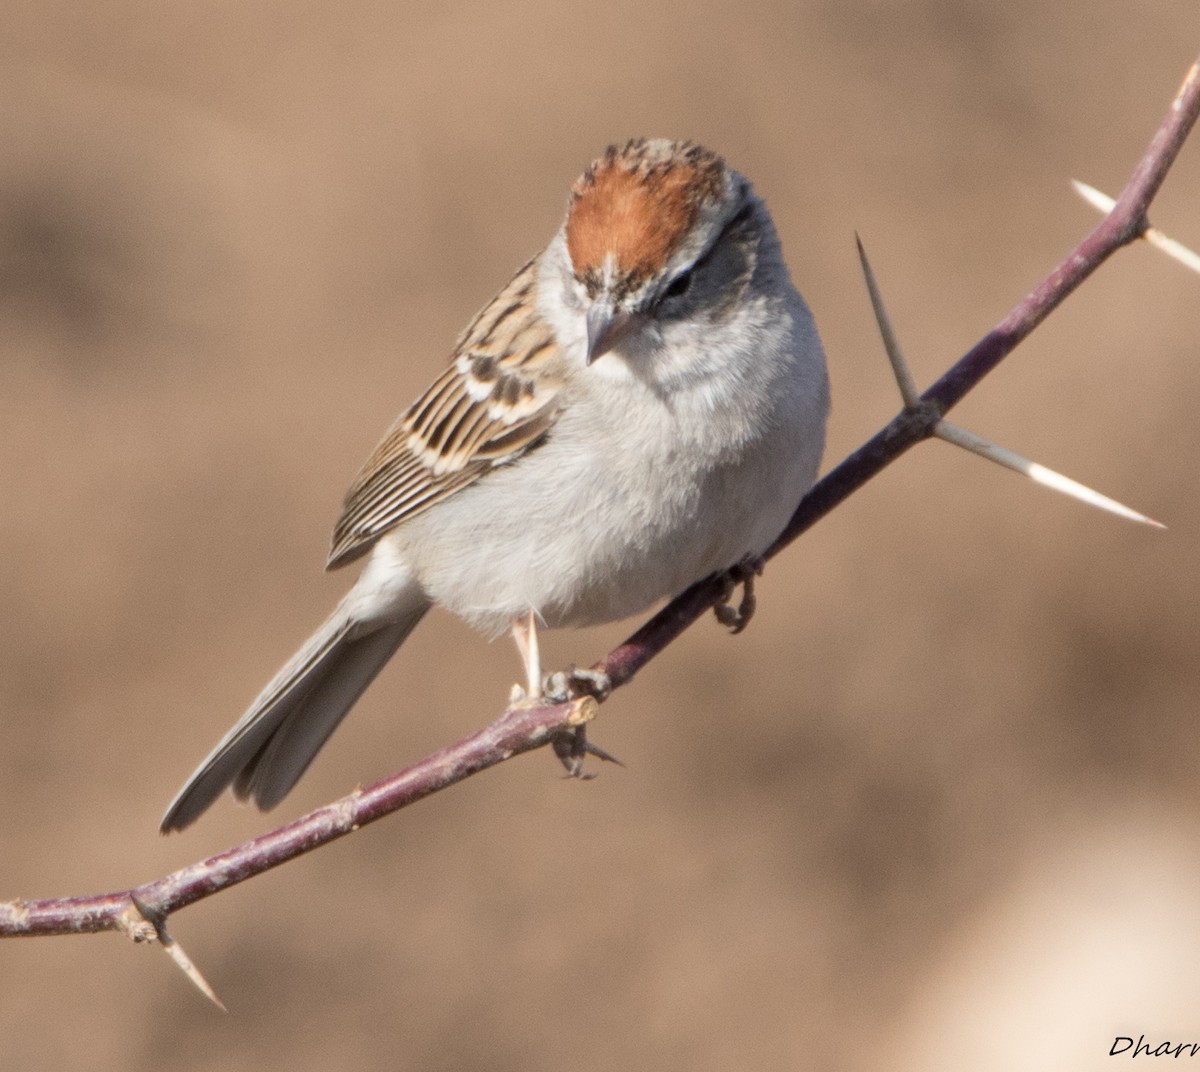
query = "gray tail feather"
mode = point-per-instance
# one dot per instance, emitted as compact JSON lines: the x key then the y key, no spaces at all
{"x":265,"y":753}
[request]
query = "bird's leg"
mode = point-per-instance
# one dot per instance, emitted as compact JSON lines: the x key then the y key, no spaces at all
{"x":571,"y":746}
{"x":524,"y":631}
{"x":735,"y":619}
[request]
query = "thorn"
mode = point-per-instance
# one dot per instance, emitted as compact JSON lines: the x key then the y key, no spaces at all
{"x":968,"y":440}
{"x":900,"y":369}
{"x":960,"y":437}
{"x":147,"y":924}
{"x":185,"y":964}
{"x":1176,"y":250}
{"x":1100,"y":202}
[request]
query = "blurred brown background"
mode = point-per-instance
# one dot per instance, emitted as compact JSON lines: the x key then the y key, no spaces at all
{"x":938,"y":808}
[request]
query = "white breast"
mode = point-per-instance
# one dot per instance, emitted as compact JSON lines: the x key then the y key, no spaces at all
{"x":638,"y":492}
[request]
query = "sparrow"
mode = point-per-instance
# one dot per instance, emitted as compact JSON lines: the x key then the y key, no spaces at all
{"x":642,"y":406}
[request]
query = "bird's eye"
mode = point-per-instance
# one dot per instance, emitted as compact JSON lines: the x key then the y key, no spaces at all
{"x":679,"y":286}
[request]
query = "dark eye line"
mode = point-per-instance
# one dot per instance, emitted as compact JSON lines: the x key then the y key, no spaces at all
{"x":681,"y":282}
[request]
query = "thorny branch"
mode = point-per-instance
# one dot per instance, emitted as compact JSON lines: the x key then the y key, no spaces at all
{"x":142,"y":912}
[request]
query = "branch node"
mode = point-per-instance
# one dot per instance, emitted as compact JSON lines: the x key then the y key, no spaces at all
{"x":136,"y":924}
{"x":582,"y":710}
{"x":1141,"y":227}
{"x":14,"y":916}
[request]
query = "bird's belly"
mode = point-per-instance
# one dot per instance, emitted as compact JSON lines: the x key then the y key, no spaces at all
{"x":582,"y":541}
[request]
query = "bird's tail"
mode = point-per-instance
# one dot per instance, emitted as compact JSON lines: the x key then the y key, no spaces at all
{"x":273,"y":743}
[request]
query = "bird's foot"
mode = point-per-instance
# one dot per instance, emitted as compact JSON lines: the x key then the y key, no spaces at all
{"x":563,"y":687}
{"x":573,"y":682}
{"x":573,"y":746}
{"x":735,"y":619}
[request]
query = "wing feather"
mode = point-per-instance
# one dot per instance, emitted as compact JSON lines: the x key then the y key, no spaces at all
{"x":495,"y":401}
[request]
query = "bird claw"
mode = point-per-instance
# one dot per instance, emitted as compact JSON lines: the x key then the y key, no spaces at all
{"x":571,"y":745}
{"x":571,"y":748}
{"x":573,"y":682}
{"x":735,"y":619}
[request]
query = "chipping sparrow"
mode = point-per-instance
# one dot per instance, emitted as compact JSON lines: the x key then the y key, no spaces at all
{"x":642,"y":406}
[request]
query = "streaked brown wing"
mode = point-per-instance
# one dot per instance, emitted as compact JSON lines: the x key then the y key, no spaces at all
{"x":494,"y":402}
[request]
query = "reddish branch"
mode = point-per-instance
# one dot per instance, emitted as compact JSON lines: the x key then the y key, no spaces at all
{"x":517,"y":730}
{"x":520,"y":730}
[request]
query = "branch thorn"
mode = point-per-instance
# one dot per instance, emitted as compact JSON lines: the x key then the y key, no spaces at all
{"x":1176,"y":250}
{"x":142,"y":923}
{"x":960,"y":437}
{"x":1039,"y":474}
{"x":904,"y":376}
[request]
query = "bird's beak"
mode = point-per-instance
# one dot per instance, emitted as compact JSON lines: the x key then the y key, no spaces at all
{"x":606,"y":327}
